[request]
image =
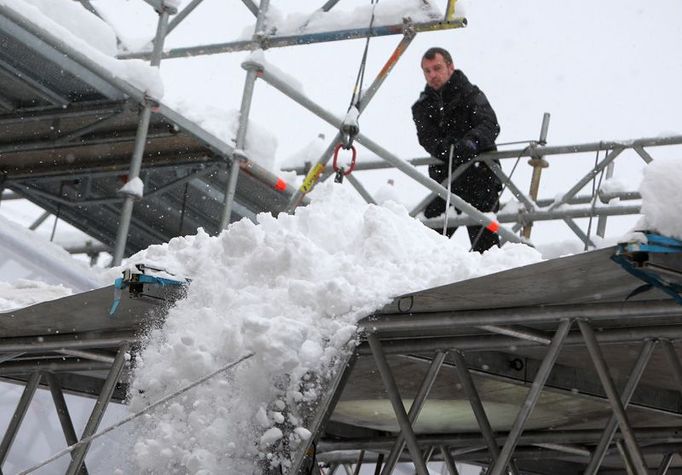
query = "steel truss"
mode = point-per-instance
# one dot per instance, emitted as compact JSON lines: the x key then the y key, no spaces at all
{"x":518,"y":449}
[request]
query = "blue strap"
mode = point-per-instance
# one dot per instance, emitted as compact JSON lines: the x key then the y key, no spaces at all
{"x":121,"y":283}
{"x":656,"y":244}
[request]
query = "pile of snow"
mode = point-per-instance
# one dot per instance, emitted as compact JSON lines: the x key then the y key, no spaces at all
{"x":70,"y":22}
{"x":290,"y":289}
{"x":662,"y":197}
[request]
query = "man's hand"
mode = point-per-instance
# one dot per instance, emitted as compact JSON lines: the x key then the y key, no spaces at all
{"x":462,"y":151}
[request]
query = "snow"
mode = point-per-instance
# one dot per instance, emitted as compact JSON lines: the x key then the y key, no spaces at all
{"x":290,"y":289}
{"x":26,"y":255}
{"x":260,"y":143}
{"x":134,"y":187}
{"x":83,"y":31}
{"x":662,"y":197}
{"x":23,"y":293}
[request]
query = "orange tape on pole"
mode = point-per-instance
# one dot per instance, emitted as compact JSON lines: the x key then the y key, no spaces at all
{"x":493,"y":227}
{"x":280,"y":185}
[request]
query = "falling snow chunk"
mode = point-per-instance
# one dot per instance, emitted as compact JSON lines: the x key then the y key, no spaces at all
{"x":270,"y":436}
{"x":303,"y":433}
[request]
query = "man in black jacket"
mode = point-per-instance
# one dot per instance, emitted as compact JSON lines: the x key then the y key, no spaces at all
{"x":453,"y":112}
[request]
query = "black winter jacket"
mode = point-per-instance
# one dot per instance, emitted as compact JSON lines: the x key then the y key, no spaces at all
{"x":457,"y":113}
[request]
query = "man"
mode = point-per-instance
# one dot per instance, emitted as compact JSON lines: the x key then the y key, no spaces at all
{"x":453,"y":112}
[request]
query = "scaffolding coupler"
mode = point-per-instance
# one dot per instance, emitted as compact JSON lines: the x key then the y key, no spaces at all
{"x":656,"y":260}
{"x":135,"y":281}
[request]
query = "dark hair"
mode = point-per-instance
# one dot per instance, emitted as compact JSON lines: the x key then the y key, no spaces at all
{"x":432,"y":52}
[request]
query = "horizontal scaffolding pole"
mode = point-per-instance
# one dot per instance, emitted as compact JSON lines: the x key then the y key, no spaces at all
{"x":267,"y":42}
{"x":496,"y":342}
{"x":7,"y":369}
{"x":584,"y":436}
{"x":74,"y":341}
{"x":531,"y":151}
{"x":524,"y":217}
{"x":417,"y":323}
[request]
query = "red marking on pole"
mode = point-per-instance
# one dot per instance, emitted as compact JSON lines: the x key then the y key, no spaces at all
{"x":280,"y":185}
{"x":493,"y":227}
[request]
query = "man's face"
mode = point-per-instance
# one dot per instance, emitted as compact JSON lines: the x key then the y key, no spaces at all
{"x":437,"y":71}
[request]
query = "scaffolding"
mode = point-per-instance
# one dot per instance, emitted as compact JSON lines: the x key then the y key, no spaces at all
{"x":522,"y":348}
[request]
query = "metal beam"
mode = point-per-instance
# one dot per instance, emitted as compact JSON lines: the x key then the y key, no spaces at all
{"x":423,"y":323}
{"x":397,"y":403}
{"x":18,"y":416}
{"x":63,"y":413}
{"x":531,"y":400}
{"x":78,"y":455}
{"x":469,"y":387}
{"x":633,"y":451}
{"x":37,"y":87}
{"x":415,"y":409}
{"x":628,"y":391}
{"x":265,"y":42}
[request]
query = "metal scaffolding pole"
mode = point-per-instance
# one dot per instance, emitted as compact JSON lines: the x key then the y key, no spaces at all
{"x":78,"y":455}
{"x":482,"y":218}
{"x":442,"y":321}
{"x":415,"y":409}
{"x":597,"y":357}
{"x":449,"y":461}
{"x":18,"y":416}
{"x":239,"y":152}
{"x":531,"y":400}
{"x":538,"y":163}
{"x":265,"y":41}
{"x":140,"y":140}
{"x":628,"y":391}
{"x":397,"y":403}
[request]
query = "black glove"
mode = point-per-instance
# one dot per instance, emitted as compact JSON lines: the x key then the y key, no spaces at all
{"x":462,"y":151}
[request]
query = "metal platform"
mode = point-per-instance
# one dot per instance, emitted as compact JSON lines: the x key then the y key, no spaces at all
{"x":510,"y":370}
{"x":518,"y":357}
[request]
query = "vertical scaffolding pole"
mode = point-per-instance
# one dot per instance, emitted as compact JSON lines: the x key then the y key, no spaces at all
{"x":531,"y":400}
{"x":633,"y":452}
{"x":397,"y":403}
{"x":538,"y":163}
{"x":140,"y":140}
{"x":18,"y":416}
{"x":601,"y":221}
{"x":415,"y":409}
{"x":78,"y":455}
{"x":612,"y":424}
{"x":239,"y":154}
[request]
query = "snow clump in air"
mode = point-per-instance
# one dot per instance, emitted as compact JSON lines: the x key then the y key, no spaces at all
{"x":289,"y":289}
{"x":662,"y":197}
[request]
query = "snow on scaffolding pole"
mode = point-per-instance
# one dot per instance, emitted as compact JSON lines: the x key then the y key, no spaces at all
{"x":481,"y":218}
{"x":266,"y":42}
